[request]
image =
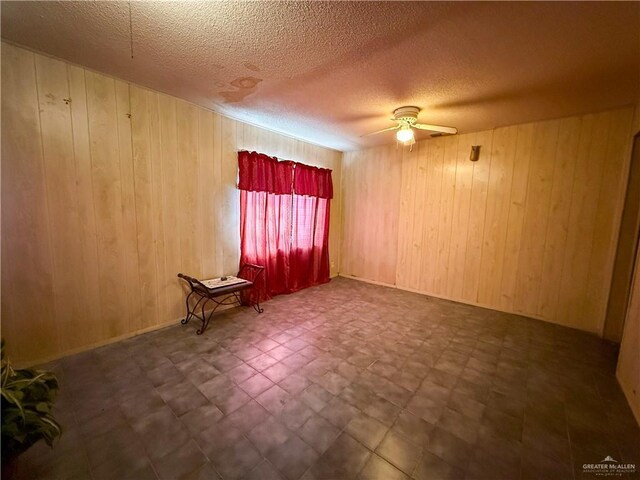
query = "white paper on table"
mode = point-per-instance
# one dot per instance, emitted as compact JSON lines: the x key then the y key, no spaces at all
{"x":218,"y":282}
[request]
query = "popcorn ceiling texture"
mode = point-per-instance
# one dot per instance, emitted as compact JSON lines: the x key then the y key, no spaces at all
{"x":332,"y":71}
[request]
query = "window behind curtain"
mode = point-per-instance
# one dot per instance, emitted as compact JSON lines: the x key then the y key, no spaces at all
{"x":284,"y":222}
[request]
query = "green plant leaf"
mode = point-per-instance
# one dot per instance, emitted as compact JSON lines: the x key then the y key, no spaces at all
{"x":9,"y":396}
{"x":27,"y":402}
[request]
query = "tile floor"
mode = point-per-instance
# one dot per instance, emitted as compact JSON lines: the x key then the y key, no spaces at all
{"x":347,"y":380}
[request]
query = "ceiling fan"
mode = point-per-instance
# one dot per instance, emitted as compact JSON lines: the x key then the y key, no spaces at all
{"x":406,"y":119}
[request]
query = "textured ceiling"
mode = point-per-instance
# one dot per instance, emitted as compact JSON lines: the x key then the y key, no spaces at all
{"x":330,"y":72}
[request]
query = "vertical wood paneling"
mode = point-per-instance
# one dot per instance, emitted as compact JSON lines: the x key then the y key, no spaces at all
{"x":435,"y":168}
{"x":146,"y":284}
{"x":208,"y":185}
{"x":534,"y":228}
{"x":27,"y":263}
{"x":157,"y":222}
{"x":460,"y":218}
{"x":503,"y":152}
{"x":59,"y":175}
{"x":129,"y":247}
{"x":88,"y":278}
{"x":169,"y":289}
{"x":108,"y":195}
{"x":107,"y":199}
{"x":607,"y":218}
{"x":406,"y":216}
{"x":529,"y":228}
{"x":557,"y":225}
{"x":477,"y":219}
{"x":446,"y":213}
{"x":372,"y":217}
{"x":188,"y":205}
{"x":219,"y":213}
{"x":418,"y":227}
{"x":231,"y":199}
{"x":515,"y":215}
{"x":628,"y":369}
{"x":584,"y":200}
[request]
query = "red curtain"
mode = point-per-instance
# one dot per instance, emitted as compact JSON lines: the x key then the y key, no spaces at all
{"x":313,"y":181}
{"x":284,"y":222}
{"x":261,"y":173}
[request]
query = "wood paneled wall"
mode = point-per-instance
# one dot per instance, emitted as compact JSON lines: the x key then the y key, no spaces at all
{"x":628,"y":369}
{"x":101,"y":211}
{"x":529,"y":228}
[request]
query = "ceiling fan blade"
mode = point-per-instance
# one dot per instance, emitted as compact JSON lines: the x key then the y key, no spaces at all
{"x":381,"y":131}
{"x":436,"y":128}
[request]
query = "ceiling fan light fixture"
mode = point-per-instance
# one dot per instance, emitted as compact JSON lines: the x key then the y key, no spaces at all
{"x":405,"y":134}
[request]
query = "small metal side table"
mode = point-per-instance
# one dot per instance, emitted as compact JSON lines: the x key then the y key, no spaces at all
{"x":219,"y":292}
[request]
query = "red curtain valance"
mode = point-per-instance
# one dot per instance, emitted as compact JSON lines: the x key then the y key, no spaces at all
{"x":312,"y":181}
{"x":261,"y":173}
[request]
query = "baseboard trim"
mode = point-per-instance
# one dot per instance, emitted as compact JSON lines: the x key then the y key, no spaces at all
{"x":108,"y":341}
{"x":473,"y":304}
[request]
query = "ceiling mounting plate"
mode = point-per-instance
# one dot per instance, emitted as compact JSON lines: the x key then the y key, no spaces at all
{"x":407,"y":114}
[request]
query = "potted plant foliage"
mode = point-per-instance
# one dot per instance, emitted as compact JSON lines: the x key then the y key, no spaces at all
{"x":27,"y":403}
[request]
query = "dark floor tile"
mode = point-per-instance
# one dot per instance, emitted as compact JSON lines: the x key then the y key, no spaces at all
{"x":449,"y":447}
{"x":230,"y":399}
{"x":248,"y":416}
{"x":400,"y":452}
{"x":274,"y":399}
{"x":180,"y":462}
{"x":262,"y":362}
{"x":413,"y":428}
{"x":502,"y":423}
{"x":333,"y":382}
{"x":264,"y":471}
{"x":539,"y":400}
{"x":121,"y":471}
{"x":218,"y":437}
{"x":269,"y":434}
{"x":201,"y":418}
{"x":292,"y":458}
{"x":277,"y":372}
{"x":464,"y":404}
{"x":204,"y":472}
{"x":425,"y":408}
{"x":318,"y":433}
{"x":460,"y":425}
{"x":295,"y":414}
{"x":339,"y":412}
{"x":431,"y":467}
{"x":225,"y":361}
{"x":163,"y":374}
{"x":383,"y":410}
{"x":343,"y":460}
{"x":367,"y":430}
{"x":248,"y":353}
{"x":187,"y":401}
{"x":538,"y":466}
{"x":213,"y":387}
{"x":377,"y":468}
{"x":316,"y":397}
{"x":256,"y":384}
{"x":241,"y":373}
{"x":294,"y":384}
{"x":120,"y":445}
{"x":235,"y":461}
{"x":491,"y":464}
